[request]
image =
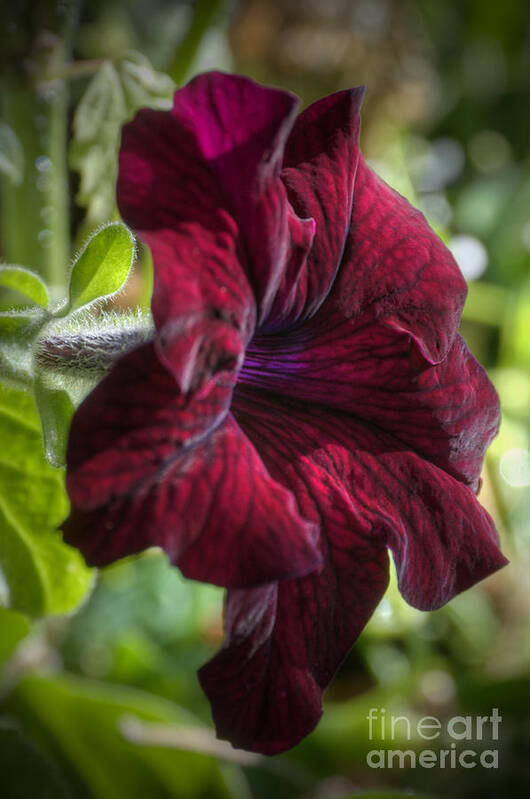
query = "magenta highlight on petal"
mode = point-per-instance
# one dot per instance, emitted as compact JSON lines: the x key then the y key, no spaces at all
{"x":306,"y":405}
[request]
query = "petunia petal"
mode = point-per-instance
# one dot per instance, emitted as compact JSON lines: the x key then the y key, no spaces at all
{"x":147,"y":467}
{"x":214,"y":159}
{"x":172,"y":201}
{"x":285,"y":642}
{"x":393,"y":296}
{"x":320,"y":162}
{"x":395,"y":267}
{"x":448,"y":413}
{"x":440,"y":536}
{"x":203,"y":324}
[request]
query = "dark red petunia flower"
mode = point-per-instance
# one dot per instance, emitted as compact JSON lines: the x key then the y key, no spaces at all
{"x":305,"y":405}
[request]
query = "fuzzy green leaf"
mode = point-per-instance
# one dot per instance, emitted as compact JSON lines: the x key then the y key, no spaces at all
{"x":25,"y":282}
{"x":16,"y":366}
{"x":21,"y":323}
{"x":17,"y":331}
{"x":42,"y":574}
{"x":103,"y":266}
{"x":56,"y":411}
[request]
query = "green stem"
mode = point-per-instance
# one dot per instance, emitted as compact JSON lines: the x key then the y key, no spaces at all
{"x":204,"y":15}
{"x":35,"y":213}
{"x":34,"y":216}
{"x":78,"y":69}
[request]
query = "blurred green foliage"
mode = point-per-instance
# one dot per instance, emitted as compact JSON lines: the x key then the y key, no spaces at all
{"x":446,"y":121}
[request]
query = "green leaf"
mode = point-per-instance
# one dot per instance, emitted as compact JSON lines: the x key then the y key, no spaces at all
{"x":25,"y":321}
{"x":17,"y":333}
{"x":13,"y":628}
{"x":16,"y":366}
{"x":26,"y":771}
{"x":18,"y":330}
{"x":102,"y":101}
{"x":144,"y":625}
{"x":389,"y":795}
{"x":25,"y":282}
{"x":143,"y":85}
{"x":11,"y":155}
{"x":56,"y":410}
{"x":84,"y":724}
{"x":103,"y":266}
{"x":97,"y":121}
{"x":113,"y":96}
{"x":43,"y":574}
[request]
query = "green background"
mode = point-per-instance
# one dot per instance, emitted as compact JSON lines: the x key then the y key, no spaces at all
{"x":85,"y":689}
